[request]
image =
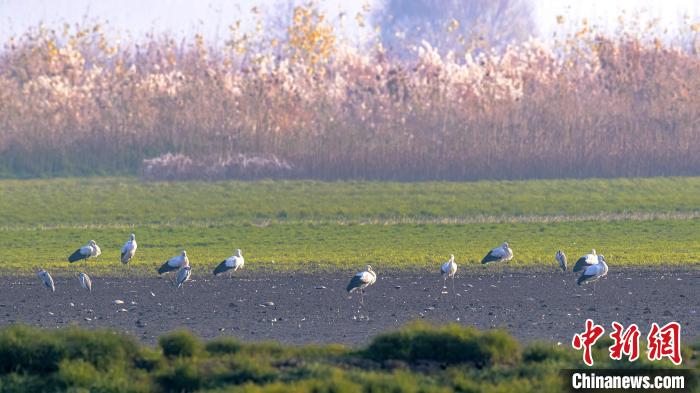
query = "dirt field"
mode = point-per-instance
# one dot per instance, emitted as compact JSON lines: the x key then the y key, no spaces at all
{"x":316,"y":308}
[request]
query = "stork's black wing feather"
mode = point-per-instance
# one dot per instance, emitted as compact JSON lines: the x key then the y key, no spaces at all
{"x":580,"y":265}
{"x":164,"y":268}
{"x":222,"y":268}
{"x":76,"y":256}
{"x":355,"y":283}
{"x":490,"y":258}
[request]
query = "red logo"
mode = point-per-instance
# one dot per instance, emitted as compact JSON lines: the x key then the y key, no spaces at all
{"x":586,"y":340}
{"x":626,"y":342}
{"x":665,"y":342}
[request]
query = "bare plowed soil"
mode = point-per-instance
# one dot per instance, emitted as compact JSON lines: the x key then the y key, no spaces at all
{"x":298,"y":308}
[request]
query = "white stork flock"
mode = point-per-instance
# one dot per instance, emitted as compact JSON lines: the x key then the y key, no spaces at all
{"x":592,"y":266}
{"x":501,"y":253}
{"x":594,"y":272}
{"x":561,"y":259}
{"x":85,"y":281}
{"x":448,"y":269}
{"x":90,"y":250}
{"x":183,"y":275}
{"x":129,"y":249}
{"x":46,"y":279}
{"x":361,"y":281}
{"x":230,"y":264}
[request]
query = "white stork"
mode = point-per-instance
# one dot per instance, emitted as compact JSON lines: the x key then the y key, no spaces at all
{"x":46,"y":279}
{"x":561,"y":258}
{"x":585,"y":261}
{"x":361,"y":281}
{"x":183,"y":275}
{"x":129,"y":249}
{"x":85,"y":281}
{"x":174,"y":263}
{"x":448,"y":269}
{"x":499,"y":254}
{"x":594,"y":272}
{"x":90,"y":250}
{"x":230,"y":264}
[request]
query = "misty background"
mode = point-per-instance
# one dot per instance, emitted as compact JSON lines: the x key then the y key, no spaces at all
{"x":497,"y":20}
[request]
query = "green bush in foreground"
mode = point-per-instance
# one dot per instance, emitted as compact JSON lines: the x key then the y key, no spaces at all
{"x":449,"y":344}
{"x":223,"y":346}
{"x":179,"y":343}
{"x":416,"y":358}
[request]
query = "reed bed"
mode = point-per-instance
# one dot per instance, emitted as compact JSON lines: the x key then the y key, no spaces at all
{"x":74,"y":103}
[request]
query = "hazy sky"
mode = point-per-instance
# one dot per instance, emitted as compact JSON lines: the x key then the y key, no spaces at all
{"x":605,"y":13}
{"x":213,"y":17}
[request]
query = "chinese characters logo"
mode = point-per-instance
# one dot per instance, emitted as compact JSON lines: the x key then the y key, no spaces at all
{"x":662,"y":342}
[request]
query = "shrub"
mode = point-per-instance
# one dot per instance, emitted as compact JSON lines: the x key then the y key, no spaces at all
{"x":449,"y":354}
{"x":543,"y":352}
{"x":25,"y":382}
{"x":179,"y":343}
{"x":41,"y":360}
{"x":77,"y":374}
{"x":102,"y":349}
{"x":449,"y":344}
{"x":182,"y":376}
{"x":395,"y":382}
{"x":30,"y":350}
{"x":269,"y":348}
{"x":147,"y":359}
{"x":244,"y":369}
{"x":221,"y":346}
{"x":334,"y":385}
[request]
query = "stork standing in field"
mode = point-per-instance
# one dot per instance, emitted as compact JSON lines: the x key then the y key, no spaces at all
{"x":594,"y":272}
{"x":561,"y":259}
{"x":174,"y":263}
{"x":230,"y":264}
{"x":46,"y":279}
{"x":85,"y":281}
{"x":90,"y":250}
{"x":502,"y":253}
{"x":129,"y":250}
{"x":183,"y":275}
{"x":361,"y":281}
{"x":585,"y":261}
{"x":448,"y":269}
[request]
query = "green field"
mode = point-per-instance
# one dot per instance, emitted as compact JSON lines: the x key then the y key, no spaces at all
{"x":329,"y":225}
